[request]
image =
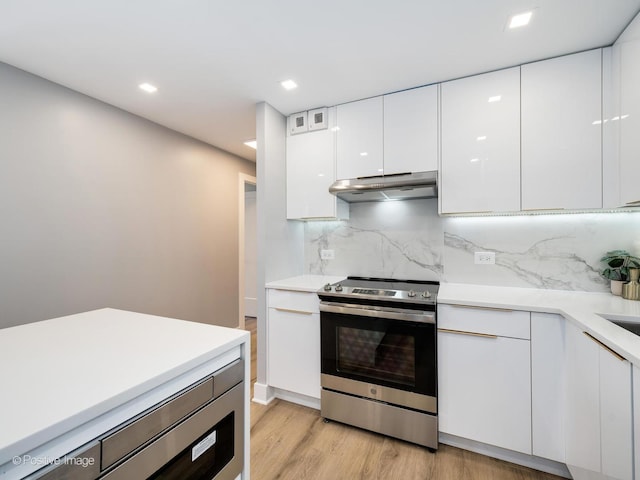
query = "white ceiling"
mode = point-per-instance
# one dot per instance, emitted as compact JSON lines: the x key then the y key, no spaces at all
{"x":213,"y":60}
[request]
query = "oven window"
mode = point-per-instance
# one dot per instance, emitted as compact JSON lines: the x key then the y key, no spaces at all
{"x":377,"y":354}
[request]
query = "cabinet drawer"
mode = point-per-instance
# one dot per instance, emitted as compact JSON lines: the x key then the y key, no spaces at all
{"x":301,"y":302}
{"x":486,"y":321}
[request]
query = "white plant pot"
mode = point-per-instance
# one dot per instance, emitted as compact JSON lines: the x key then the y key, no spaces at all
{"x":616,"y":287}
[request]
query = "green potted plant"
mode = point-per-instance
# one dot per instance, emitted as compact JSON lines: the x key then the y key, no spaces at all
{"x":617,"y":271}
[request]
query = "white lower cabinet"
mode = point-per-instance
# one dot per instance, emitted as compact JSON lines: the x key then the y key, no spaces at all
{"x":636,"y":418}
{"x":557,"y":393}
{"x":293,"y":326}
{"x":484,"y":381}
{"x":582,"y":416}
{"x":598,"y":415}
{"x":547,"y":386}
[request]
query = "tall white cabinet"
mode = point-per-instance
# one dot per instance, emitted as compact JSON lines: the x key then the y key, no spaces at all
{"x":480,"y":128}
{"x":562,"y":132}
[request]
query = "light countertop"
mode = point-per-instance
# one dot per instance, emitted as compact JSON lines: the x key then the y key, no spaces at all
{"x":59,"y":374}
{"x":304,"y":283}
{"x":582,"y":308}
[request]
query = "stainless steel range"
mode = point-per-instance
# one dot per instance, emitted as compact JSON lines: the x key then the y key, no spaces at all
{"x":378,"y":349}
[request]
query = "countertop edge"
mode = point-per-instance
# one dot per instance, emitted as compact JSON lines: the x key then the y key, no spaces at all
{"x":583,"y":309}
{"x":304,"y":283}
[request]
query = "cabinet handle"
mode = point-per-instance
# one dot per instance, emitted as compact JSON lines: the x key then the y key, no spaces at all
{"x":462,"y":332}
{"x":469,"y":213}
{"x":612,"y":352}
{"x":542,"y":209}
{"x":475,"y":307}
{"x":290,"y":310}
{"x":635,"y":202}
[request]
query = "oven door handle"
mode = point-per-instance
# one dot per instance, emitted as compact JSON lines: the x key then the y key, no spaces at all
{"x":402,"y":314}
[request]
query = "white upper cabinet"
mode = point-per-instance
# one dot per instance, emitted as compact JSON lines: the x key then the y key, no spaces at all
{"x":411,"y":130}
{"x":310,"y":173}
{"x":562,"y":132}
{"x":359,"y":138}
{"x":629,"y":116}
{"x":480,"y":128}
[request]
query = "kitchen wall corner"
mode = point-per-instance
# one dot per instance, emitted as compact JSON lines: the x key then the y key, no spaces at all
{"x":280,"y":242}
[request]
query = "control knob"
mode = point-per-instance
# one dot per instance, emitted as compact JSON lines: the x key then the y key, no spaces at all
{"x":426,"y":294}
{"x":411,"y":294}
{"x":338,"y":288}
{"x":327,"y":287}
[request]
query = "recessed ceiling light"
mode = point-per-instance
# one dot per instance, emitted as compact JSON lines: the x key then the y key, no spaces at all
{"x":481,"y":138}
{"x":363,"y":154}
{"x":495,"y":98}
{"x":520,"y":20}
{"x":289,"y":84}
{"x":252,"y":143}
{"x":147,"y":87}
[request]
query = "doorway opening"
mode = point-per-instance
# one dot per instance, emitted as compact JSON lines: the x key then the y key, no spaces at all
{"x":247,"y":248}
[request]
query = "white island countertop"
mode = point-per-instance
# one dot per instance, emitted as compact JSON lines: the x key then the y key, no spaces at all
{"x":59,"y":375}
{"x":585,"y":309}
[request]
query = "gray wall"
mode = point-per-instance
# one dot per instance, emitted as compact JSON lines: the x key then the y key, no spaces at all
{"x":102,"y":208}
{"x":280,"y":242}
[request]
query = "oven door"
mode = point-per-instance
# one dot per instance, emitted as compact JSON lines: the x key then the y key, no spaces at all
{"x":372,"y":345}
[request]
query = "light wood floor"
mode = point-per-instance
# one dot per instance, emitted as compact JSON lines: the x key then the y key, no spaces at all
{"x":291,"y":442}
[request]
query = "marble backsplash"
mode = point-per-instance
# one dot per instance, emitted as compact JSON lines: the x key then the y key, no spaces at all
{"x":409,"y":240}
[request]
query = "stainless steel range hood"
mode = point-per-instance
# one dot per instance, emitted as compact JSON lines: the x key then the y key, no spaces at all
{"x":401,"y":186}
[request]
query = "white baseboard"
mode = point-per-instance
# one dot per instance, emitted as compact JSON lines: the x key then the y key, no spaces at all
{"x":250,"y":307}
{"x":530,"y":461}
{"x":298,"y":398}
{"x":262,"y":394}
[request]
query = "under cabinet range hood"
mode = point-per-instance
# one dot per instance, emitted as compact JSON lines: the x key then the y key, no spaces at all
{"x":399,"y":186}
